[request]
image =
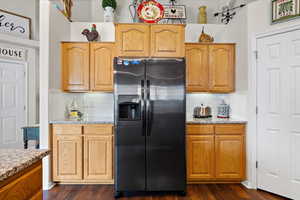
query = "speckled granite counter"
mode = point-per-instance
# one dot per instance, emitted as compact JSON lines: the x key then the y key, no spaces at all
{"x":81,"y":122}
{"x":13,"y":161}
{"x":215,"y":121}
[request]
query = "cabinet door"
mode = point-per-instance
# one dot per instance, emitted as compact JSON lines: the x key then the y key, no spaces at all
{"x":200,"y":157}
{"x":221,"y":68}
{"x":75,"y":67}
{"x":101,"y":58}
{"x":67,"y":157}
{"x":167,"y":40}
{"x":132,"y":40}
{"x":196,"y":67}
{"x":230,"y":157}
{"x":98,"y":158}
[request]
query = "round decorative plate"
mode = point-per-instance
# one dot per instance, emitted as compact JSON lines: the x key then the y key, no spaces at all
{"x":150,"y":11}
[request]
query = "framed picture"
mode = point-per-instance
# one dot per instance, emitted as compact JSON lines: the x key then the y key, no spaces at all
{"x":15,"y":24}
{"x":174,"y":12}
{"x":283,"y":10}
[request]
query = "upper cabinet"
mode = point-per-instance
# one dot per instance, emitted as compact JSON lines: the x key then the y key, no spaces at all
{"x":101,"y":58}
{"x":75,"y":67}
{"x":167,"y":40}
{"x":210,"y":67}
{"x":144,"y":40}
{"x":87,"y":66}
{"x":133,"y":40}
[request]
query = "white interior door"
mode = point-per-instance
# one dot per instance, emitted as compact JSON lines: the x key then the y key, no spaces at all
{"x":279,"y":114}
{"x":12,"y":104}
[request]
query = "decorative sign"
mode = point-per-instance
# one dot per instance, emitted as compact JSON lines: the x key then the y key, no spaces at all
{"x":150,"y":11}
{"x":174,"y":12}
{"x":13,"y":53}
{"x":14,"y":24}
{"x":285,"y":9}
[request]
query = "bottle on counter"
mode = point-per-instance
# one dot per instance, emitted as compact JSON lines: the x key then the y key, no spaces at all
{"x":74,"y":111}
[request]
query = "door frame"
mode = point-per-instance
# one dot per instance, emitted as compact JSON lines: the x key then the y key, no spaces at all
{"x":252,"y":148}
{"x":25,"y":64}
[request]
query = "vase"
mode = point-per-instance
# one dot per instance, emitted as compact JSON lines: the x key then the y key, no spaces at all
{"x":109,"y":14}
{"x":202,"y":15}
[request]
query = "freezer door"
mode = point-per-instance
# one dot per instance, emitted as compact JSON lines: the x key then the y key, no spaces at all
{"x":165,"y":141}
{"x":130,"y":152}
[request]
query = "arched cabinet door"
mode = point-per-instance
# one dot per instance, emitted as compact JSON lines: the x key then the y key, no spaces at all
{"x":101,"y":72}
{"x":167,"y":40}
{"x":75,"y":67}
{"x":133,"y":40}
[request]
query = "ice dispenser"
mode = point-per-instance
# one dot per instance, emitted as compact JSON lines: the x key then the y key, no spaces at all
{"x":129,"y":108}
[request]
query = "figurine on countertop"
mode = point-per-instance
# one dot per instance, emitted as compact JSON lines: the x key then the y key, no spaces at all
{"x":92,"y":35}
{"x":205,"y":37}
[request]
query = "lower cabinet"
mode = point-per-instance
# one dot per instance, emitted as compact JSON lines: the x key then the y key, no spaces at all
{"x":84,"y":155}
{"x":215,"y":153}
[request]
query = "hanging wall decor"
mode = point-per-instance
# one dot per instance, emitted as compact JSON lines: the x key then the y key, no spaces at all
{"x":174,"y":13}
{"x":283,"y":10}
{"x":15,"y":24}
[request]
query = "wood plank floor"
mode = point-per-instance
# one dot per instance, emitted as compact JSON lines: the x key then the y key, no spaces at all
{"x":194,"y":192}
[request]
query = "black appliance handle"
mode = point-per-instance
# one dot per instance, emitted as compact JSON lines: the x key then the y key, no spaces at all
{"x":143,"y":105}
{"x":148,"y":110}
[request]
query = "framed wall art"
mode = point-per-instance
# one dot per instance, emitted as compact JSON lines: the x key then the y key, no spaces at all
{"x":15,"y":24}
{"x":283,"y":10}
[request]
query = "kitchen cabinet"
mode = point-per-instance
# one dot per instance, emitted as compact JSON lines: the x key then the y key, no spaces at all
{"x":75,"y":66}
{"x":144,"y":40}
{"x":83,"y":155}
{"x":87,"y":66}
{"x":101,"y":58}
{"x":215,"y":153}
{"x":210,"y":67}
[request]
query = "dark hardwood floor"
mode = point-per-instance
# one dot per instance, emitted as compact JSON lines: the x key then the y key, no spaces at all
{"x":194,"y":192}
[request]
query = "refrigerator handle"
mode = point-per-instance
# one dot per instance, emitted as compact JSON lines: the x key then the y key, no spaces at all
{"x":143,"y":105}
{"x":148,"y":109}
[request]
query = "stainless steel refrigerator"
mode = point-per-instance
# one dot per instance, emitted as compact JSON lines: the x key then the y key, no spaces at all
{"x":149,"y":99}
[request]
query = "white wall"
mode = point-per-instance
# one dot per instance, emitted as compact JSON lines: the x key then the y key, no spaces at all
{"x":28,"y":8}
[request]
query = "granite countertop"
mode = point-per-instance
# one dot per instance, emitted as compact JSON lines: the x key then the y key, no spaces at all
{"x":13,"y":161}
{"x":215,"y":121}
{"x":65,"y":121}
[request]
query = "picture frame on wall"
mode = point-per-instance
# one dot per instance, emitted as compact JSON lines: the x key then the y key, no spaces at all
{"x":284,"y":10}
{"x":15,"y":25}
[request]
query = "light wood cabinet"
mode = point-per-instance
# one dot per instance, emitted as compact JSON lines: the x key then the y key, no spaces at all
{"x":85,"y":156}
{"x":144,"y":40}
{"x":75,"y":67}
{"x":221,"y":68}
{"x":87,"y":66}
{"x":215,"y":153}
{"x":133,"y":40}
{"x":210,"y":67}
{"x":201,"y":157}
{"x":101,"y":58}
{"x":167,"y":40}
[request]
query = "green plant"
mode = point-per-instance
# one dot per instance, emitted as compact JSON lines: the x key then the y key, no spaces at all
{"x":109,"y":3}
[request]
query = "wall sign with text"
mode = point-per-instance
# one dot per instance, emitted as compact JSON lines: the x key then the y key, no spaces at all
{"x":285,"y":10}
{"x":15,"y":25}
{"x":13,"y":53}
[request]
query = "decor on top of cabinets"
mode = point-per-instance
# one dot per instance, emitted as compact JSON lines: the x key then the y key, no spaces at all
{"x":133,"y":10}
{"x":150,"y":11}
{"x":205,"y":37}
{"x":202,"y":15}
{"x":92,"y":35}
{"x":15,"y":24}
{"x":68,"y":8}
{"x":109,"y":6}
{"x":283,"y":10}
{"x":228,"y":11}
{"x":174,"y":13}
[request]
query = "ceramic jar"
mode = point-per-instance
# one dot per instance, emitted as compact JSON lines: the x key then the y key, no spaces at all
{"x":202,"y":19}
{"x":108,"y":14}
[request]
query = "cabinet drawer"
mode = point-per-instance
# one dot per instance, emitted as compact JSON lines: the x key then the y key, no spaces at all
{"x":230,"y":129}
{"x":67,"y":129}
{"x":200,"y":129}
{"x":98,"y":129}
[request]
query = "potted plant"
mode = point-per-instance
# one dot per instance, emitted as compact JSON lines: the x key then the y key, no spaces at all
{"x":109,"y":7}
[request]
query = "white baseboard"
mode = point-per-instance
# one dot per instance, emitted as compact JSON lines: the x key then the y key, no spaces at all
{"x":248,"y":185}
{"x":50,"y":186}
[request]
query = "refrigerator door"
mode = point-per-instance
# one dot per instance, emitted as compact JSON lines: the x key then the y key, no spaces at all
{"x":129,"y":126}
{"x":165,"y":141}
